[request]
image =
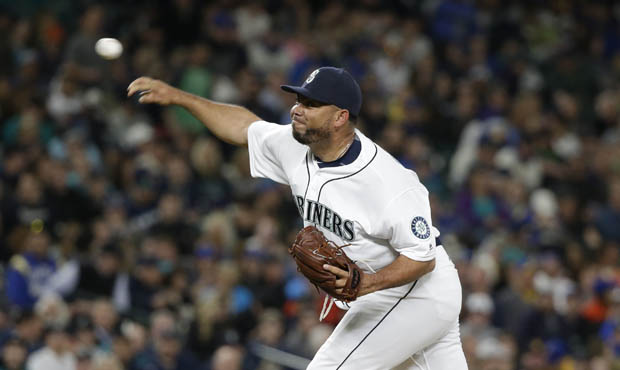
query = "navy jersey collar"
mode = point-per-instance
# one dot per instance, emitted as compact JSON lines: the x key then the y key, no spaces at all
{"x":351,"y":155}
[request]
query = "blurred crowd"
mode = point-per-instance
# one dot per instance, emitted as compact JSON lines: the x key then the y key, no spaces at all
{"x":131,"y":238}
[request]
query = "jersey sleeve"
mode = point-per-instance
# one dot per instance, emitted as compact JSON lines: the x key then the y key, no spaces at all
{"x":407,"y":224}
{"x":265,"y":144}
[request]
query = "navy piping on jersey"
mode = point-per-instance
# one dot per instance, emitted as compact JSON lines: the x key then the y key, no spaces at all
{"x":318,"y":198}
{"x":308,"y":184}
{"x":352,"y":153}
{"x":338,"y":178}
{"x":377,"y":325}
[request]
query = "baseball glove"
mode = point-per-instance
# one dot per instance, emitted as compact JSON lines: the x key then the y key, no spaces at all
{"x":311,"y":250}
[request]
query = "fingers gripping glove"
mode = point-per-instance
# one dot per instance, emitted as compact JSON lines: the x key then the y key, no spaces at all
{"x":311,"y":250}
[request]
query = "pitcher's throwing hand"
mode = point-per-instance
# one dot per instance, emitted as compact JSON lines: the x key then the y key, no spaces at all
{"x":153,"y":91}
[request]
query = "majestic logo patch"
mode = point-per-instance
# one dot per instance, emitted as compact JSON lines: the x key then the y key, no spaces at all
{"x":420,"y":228}
{"x":312,"y":75}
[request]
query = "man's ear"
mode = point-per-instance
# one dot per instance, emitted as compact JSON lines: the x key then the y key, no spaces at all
{"x":342,"y":117}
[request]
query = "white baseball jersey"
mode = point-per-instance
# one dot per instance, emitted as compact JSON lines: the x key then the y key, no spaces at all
{"x":380,"y":209}
{"x":374,"y":203}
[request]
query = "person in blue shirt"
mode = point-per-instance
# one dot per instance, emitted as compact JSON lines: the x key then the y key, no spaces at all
{"x":28,"y":272}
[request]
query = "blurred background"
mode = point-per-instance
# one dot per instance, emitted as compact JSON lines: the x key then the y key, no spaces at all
{"x":131,"y":238}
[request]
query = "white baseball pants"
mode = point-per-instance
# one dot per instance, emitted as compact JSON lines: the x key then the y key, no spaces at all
{"x":400,"y":328}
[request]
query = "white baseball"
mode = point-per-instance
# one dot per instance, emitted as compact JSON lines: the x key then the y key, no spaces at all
{"x":109,"y":48}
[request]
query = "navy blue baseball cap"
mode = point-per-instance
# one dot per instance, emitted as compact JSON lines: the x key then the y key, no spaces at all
{"x":331,"y":85}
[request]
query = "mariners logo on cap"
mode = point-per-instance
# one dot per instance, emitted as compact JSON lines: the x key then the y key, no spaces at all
{"x":420,"y":228}
{"x":312,"y":75}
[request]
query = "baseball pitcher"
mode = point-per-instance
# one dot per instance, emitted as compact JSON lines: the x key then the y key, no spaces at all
{"x":368,"y":239}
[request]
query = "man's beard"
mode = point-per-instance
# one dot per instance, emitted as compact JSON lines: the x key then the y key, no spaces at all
{"x":312,"y":135}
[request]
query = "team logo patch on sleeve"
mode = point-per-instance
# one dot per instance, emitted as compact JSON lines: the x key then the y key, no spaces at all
{"x":420,"y":228}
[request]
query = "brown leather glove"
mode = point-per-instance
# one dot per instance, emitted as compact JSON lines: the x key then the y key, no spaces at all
{"x":312,"y":250}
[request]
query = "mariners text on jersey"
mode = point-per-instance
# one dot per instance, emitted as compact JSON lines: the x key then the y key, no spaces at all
{"x":322,"y":215}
